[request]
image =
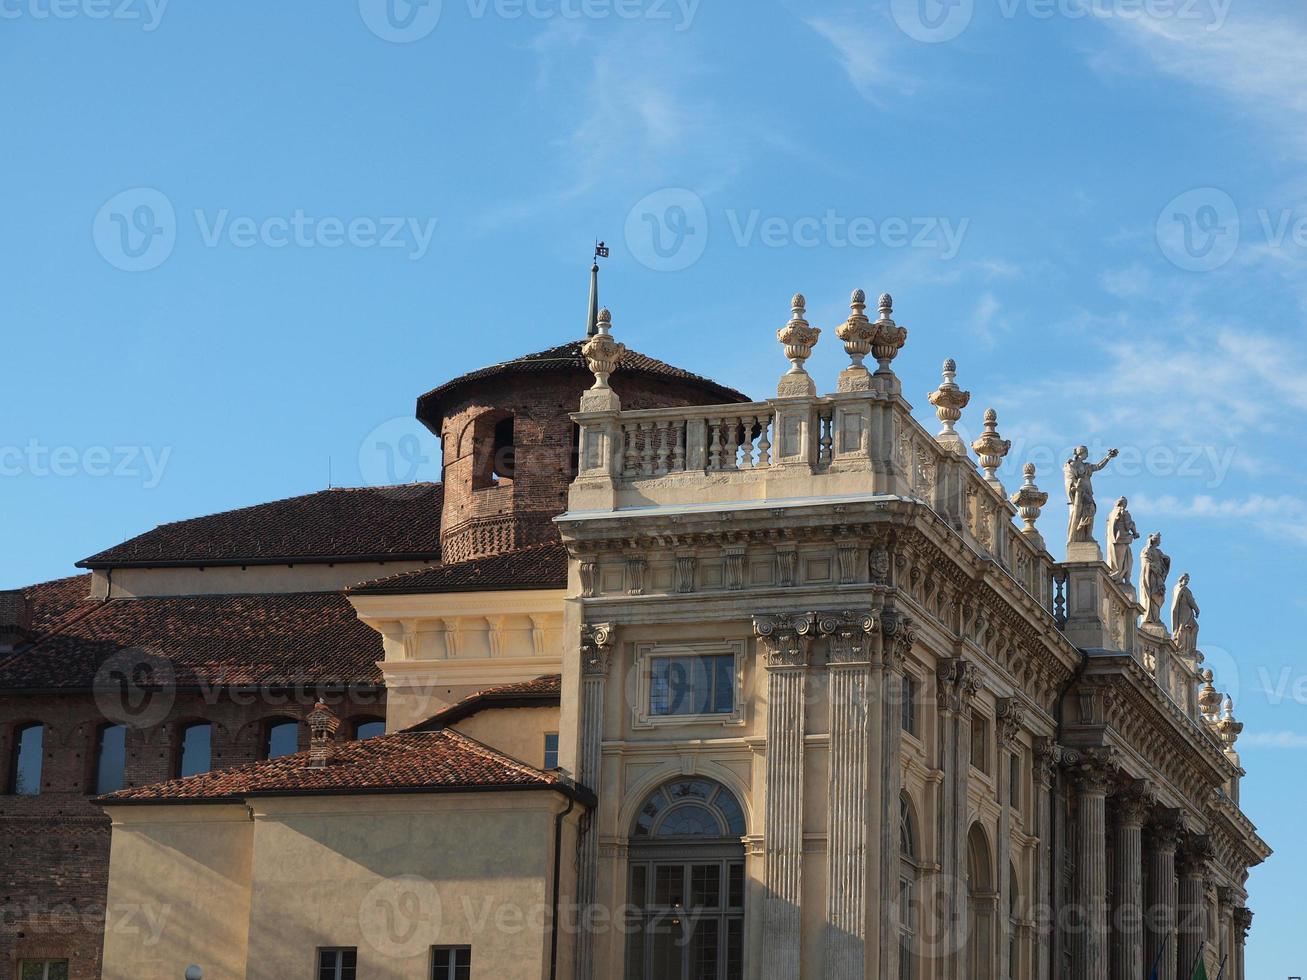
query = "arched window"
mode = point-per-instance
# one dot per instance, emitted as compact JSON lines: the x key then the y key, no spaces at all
{"x":25,"y":760}
{"x":281,"y":736}
{"x":494,"y":449}
{"x":687,"y":883}
{"x":909,"y":862}
{"x":110,"y":759}
{"x":368,"y":726}
{"x":195,"y":749}
{"x":982,"y":906}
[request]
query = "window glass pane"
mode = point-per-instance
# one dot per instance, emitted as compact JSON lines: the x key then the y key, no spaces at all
{"x":735,"y":885}
{"x":909,"y":705}
{"x":668,"y":942}
{"x":551,"y":750}
{"x":690,"y":820}
{"x":283,"y":739}
{"x":724,"y":686}
{"x":730,"y":808}
{"x":111,"y":759}
{"x":195,"y":753}
{"x":701,"y":678}
{"x":692,"y":685}
{"x":639,"y":885}
{"x":1014,"y":784}
{"x":29,"y":747}
{"x":705,"y":886}
{"x":669,"y":885}
{"x":370,"y":728}
{"x":659,"y":691}
{"x":734,"y":949}
{"x":703,"y":949}
{"x":328,"y":963}
{"x":635,"y":950}
{"x":648,"y":812}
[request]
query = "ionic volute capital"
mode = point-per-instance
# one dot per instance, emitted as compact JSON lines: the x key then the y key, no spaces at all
{"x":1011,"y":715}
{"x":1134,"y":802}
{"x":786,"y":638}
{"x":956,"y":683}
{"x":596,"y":649}
{"x":850,"y":633}
{"x":900,"y":633}
{"x":1164,"y":829}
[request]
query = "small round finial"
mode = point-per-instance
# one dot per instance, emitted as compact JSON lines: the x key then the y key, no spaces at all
{"x":799,"y":304}
{"x":950,"y":366}
{"x":886,"y":304}
{"x":605,"y":315}
{"x":1029,"y":471}
{"x":859,"y":296}
{"x":991,"y":416}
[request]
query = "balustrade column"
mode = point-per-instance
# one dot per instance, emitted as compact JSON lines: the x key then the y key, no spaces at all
{"x":787,"y":640}
{"x":1163,"y":835}
{"x":596,"y":656}
{"x":1131,"y":808}
{"x":956,"y":684}
{"x":1093,"y":773}
{"x":855,"y":714}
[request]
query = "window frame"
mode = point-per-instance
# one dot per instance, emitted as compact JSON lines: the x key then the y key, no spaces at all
{"x":97,"y":758}
{"x":266,"y":728}
{"x":17,"y":731}
{"x":987,"y":737}
{"x":339,"y":970}
{"x":909,"y":691}
{"x":548,"y":751}
{"x":642,"y":717}
{"x":179,"y":754}
{"x":450,"y":972}
{"x":45,"y":965}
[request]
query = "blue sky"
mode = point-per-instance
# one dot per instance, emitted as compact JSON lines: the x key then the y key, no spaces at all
{"x":240,"y":238}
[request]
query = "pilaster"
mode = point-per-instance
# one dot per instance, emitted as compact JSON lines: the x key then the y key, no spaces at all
{"x":899,"y":634}
{"x":596,"y":656}
{"x":1011,"y":717}
{"x":1161,"y":837}
{"x":956,"y":684}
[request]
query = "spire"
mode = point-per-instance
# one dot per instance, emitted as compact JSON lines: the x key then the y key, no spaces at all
{"x":592,"y":321}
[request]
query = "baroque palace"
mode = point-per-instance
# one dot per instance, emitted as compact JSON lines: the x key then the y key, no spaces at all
{"x":659,"y":683}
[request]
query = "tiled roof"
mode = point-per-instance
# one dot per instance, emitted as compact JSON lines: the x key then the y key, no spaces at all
{"x":217,"y":640}
{"x":539,"y":567}
{"x":363,"y":524}
{"x":567,"y":357}
{"x":432,"y":761}
{"x":543,"y":692}
{"x":50,"y":602}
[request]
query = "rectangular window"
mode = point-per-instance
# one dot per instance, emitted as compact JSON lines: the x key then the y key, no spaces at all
{"x":339,"y":963}
{"x":693,"y":685}
{"x":25,"y":763}
{"x":451,"y":963}
{"x":196,"y":751}
{"x":909,"y":704}
{"x":111,"y":759}
{"x":1014,"y":782}
{"x":43,"y":970}
{"x":980,"y":743}
{"x":551,"y":750}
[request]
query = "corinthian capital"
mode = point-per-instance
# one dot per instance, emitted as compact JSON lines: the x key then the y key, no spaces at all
{"x":787,"y":638}
{"x":850,"y":635}
{"x":1011,"y":719}
{"x":956,"y":684}
{"x":596,"y":648}
{"x":1094,"y":769}
{"x":1164,"y":829}
{"x":900,"y":633}
{"x":1134,"y":802}
{"x":1194,"y":855}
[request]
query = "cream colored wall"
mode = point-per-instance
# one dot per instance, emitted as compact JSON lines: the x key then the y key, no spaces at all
{"x":394,"y":875}
{"x":237,"y":580}
{"x":179,"y":888}
{"x":516,"y":732}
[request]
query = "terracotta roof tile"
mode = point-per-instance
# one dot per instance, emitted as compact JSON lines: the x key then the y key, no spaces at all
{"x":538,"y":567}
{"x":217,"y":640}
{"x":433,"y":761}
{"x":385,"y":523}
{"x":50,"y":602}
{"x":542,"y":692}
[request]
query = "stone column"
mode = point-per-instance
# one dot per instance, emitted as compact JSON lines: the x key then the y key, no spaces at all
{"x":1131,"y":808}
{"x":1163,"y":835}
{"x":1192,"y":908}
{"x":956,"y":684}
{"x":596,"y":656}
{"x":788,"y":640}
{"x":1092,"y":776}
{"x":1047,"y":757}
{"x":1011,"y":719}
{"x":1243,"y":921}
{"x":1225,"y":925}
{"x":899,"y":636}
{"x":854,"y":717}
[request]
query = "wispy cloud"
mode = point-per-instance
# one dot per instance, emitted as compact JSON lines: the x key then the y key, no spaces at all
{"x":1275,"y":740}
{"x":863,"y":54}
{"x":1283,"y":516}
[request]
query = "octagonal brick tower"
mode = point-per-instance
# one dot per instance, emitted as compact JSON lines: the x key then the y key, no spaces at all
{"x":509,"y":444}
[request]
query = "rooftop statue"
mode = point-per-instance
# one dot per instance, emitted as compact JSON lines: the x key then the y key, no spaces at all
{"x":1154,"y":567}
{"x":1121,"y":536}
{"x":1080,"y":493}
{"x":1184,"y":617}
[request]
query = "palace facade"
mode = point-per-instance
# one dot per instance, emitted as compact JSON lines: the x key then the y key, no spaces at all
{"x":676,"y":686}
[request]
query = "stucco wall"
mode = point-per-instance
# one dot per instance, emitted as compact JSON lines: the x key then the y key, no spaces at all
{"x":517,"y":732}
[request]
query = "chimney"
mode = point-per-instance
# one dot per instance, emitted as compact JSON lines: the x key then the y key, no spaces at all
{"x":322,"y":735}
{"x":15,"y":620}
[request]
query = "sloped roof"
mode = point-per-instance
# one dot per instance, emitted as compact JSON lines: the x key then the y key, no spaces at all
{"x":440,"y":761}
{"x":213,"y":640}
{"x":543,"y":692}
{"x":538,"y":567}
{"x":339,"y":525}
{"x":50,"y":602}
{"x":567,"y":358}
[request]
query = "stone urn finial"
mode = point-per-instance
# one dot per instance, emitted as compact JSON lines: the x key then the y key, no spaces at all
{"x":992,"y":448}
{"x":323,"y":724}
{"x":889,"y":337}
{"x":799,"y":338}
{"x":1228,"y":729}
{"x":1030,"y":501}
{"x":949,"y":401}
{"x":602,"y":354}
{"x":1209,"y":699}
{"x":857,"y":333}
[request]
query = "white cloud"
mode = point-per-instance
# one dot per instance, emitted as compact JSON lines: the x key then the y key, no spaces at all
{"x":1127,"y":283}
{"x":863,"y":55}
{"x":1283,"y":516}
{"x":1275,"y":740}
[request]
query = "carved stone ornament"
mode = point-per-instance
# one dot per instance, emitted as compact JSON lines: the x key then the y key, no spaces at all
{"x":1134,"y":802}
{"x":1121,"y":537}
{"x":889,"y":337}
{"x":849,"y":634}
{"x":1095,"y":769}
{"x":685,"y":569}
{"x":589,"y":578}
{"x":900,"y":633}
{"x":1048,"y":757}
{"x":1165,"y":829}
{"x":956,"y":684}
{"x":1154,"y":566}
{"x":992,"y":448}
{"x":787,"y":638}
{"x":1011,"y":714}
{"x":1079,"y":473}
{"x":635,"y":569}
{"x":596,"y":649}
{"x":1030,"y":501}
{"x":1184,"y":618}
{"x":949,"y":401}
{"x":857,"y":333}
{"x":1195,"y":854}
{"x":602,"y":354}
{"x":1243,"y":922}
{"x":798,"y":338}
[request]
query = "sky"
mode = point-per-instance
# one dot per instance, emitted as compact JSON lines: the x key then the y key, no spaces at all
{"x":240,"y":238}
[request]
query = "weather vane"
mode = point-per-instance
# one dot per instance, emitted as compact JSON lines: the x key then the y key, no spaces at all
{"x":601,"y":250}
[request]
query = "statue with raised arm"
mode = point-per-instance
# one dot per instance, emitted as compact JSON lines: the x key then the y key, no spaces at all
{"x":1079,"y":474}
{"x":1154,"y":567}
{"x":1121,"y":536}
{"x":1184,"y":618}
